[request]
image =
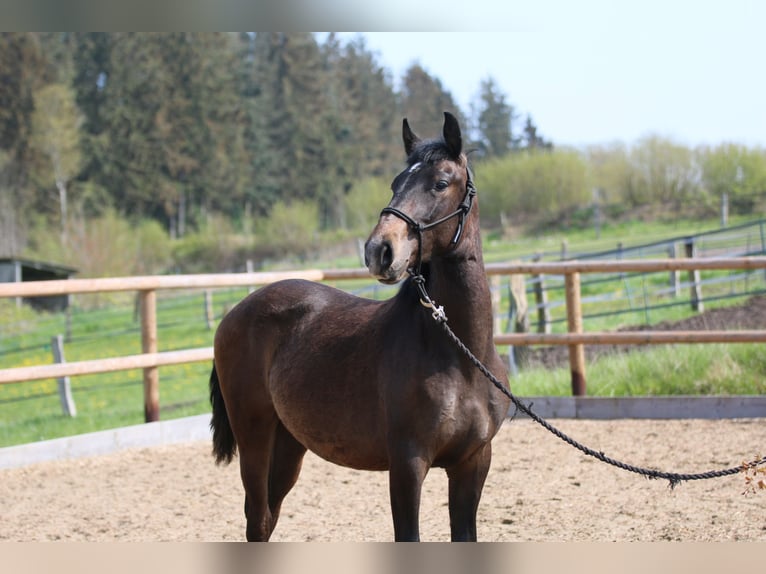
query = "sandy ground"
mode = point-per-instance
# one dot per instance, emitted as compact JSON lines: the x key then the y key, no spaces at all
{"x":539,"y":489}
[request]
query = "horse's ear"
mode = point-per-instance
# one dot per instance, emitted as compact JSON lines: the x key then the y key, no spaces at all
{"x":409,"y":137}
{"x":452,"y":135}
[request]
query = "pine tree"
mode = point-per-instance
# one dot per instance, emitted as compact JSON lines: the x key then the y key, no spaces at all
{"x":424,"y":101}
{"x":92,"y":69}
{"x":361,"y":136}
{"x":495,"y":121}
{"x":532,"y":139}
{"x":286,"y":114}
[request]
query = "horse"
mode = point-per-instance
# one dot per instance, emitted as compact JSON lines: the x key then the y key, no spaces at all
{"x":371,"y":385}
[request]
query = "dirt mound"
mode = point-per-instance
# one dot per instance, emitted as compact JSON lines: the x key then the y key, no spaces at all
{"x":749,"y":315}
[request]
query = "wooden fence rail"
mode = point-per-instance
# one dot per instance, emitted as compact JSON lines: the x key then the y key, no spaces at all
{"x":151,"y":359}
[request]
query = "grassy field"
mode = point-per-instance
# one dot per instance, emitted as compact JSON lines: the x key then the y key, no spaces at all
{"x":31,"y":411}
{"x":664,"y":370}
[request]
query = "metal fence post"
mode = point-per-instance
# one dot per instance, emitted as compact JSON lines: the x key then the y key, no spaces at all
{"x":541,"y":301}
{"x":694,"y":277}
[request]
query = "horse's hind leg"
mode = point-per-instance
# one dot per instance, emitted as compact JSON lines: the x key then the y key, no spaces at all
{"x":254,"y":463}
{"x":269,"y":470}
{"x":466,"y":481}
{"x":286,"y":461}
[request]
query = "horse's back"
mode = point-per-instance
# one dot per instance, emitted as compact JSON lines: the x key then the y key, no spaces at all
{"x":280,"y":308}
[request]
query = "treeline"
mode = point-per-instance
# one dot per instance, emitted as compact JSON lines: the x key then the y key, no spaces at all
{"x":179,"y":128}
{"x":130,"y":153}
{"x":653,"y":177}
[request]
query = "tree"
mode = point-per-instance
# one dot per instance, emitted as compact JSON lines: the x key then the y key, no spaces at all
{"x":532,"y":140}
{"x":21,"y":69}
{"x":287,"y":120}
{"x":662,"y":172}
{"x":55,"y":125}
{"x":610,"y":171}
{"x":58,"y":49}
{"x":162,"y":121}
{"x":361,"y":135}
{"x":525,"y":186}
{"x":736,"y":171}
{"x":92,"y":70}
{"x":494,"y":121}
{"x":424,"y":101}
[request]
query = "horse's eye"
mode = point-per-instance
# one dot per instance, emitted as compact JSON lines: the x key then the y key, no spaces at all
{"x":441,"y":185}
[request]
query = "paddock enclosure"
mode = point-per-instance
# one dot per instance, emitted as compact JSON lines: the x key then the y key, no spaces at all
{"x":538,"y":489}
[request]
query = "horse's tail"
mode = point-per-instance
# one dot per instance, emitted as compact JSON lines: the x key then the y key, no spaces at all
{"x":224,"y":443}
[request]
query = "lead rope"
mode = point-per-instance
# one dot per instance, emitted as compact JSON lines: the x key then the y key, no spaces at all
{"x":673,"y":478}
{"x":438,"y":315}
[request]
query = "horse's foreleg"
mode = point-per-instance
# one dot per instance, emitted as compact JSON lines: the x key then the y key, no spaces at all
{"x":466,"y":482}
{"x":405,"y":484}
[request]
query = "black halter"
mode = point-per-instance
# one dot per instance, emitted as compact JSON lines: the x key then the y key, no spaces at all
{"x":461,"y":212}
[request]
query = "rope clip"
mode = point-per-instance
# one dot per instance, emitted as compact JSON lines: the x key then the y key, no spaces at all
{"x":438,"y":310}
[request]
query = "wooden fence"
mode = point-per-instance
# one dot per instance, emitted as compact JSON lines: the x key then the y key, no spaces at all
{"x":150,"y":359}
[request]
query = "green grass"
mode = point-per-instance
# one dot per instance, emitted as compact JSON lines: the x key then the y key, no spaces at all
{"x":586,"y":240}
{"x":712,"y":369}
{"x":31,"y":411}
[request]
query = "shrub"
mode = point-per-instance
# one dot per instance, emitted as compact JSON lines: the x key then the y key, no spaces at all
{"x":533,"y":185}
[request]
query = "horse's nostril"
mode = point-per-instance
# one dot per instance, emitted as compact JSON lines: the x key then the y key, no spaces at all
{"x":386,"y":255}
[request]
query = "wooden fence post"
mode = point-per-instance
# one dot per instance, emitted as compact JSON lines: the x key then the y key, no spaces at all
{"x":574,"y":323}
{"x":149,"y":345}
{"x":64,"y":384}
{"x":518,"y":321}
{"x":209,"y":309}
{"x":541,"y":301}
{"x":694,"y":277}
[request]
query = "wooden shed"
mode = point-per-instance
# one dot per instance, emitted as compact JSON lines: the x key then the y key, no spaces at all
{"x":14,"y":270}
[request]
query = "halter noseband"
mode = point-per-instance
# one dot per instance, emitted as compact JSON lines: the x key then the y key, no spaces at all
{"x":461,"y":212}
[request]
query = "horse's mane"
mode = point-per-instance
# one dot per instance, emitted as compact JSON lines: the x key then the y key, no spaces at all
{"x":430,"y":151}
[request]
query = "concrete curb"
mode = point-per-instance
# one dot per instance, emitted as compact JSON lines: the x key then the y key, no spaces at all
{"x":197,"y":428}
{"x":681,"y":407}
{"x":186,"y":429}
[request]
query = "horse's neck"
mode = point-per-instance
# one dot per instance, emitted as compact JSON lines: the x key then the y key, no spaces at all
{"x":460,"y":285}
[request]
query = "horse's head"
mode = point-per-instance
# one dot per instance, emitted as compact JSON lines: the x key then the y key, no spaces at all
{"x":431,"y":200}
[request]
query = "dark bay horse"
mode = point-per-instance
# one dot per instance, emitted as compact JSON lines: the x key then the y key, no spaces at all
{"x":371,"y":385}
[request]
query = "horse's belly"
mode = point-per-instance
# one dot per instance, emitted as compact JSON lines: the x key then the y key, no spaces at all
{"x":341,"y":430}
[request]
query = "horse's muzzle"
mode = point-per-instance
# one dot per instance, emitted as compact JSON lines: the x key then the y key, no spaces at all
{"x":381,"y":262}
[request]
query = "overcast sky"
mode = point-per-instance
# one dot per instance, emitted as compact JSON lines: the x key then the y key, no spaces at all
{"x":595,"y":71}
